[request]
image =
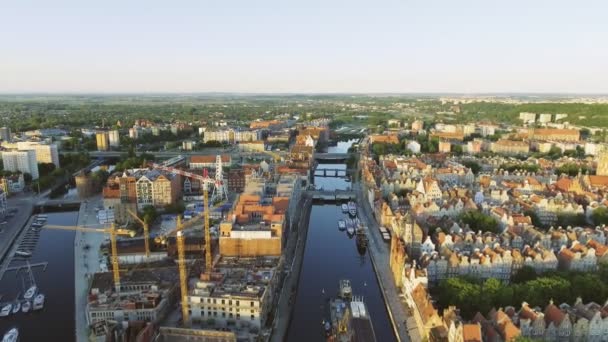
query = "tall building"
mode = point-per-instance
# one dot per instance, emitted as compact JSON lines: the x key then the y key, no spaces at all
{"x":24,"y":161}
{"x":133,"y":133}
{"x":102,"y":141}
{"x":5,"y":134}
{"x":45,"y":153}
{"x":114,"y":138}
{"x":602,"y":163}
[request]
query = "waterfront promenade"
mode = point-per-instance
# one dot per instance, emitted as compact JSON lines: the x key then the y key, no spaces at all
{"x":379,"y":253}
{"x":86,"y":262}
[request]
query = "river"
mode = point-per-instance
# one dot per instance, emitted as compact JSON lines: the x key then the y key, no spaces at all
{"x":55,"y":322}
{"x":330,"y":255}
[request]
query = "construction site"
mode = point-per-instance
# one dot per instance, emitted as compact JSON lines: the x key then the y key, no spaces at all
{"x":212,"y":273}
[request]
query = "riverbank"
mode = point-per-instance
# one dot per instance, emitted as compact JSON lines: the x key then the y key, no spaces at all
{"x":295,"y":254}
{"x":86,"y":262}
{"x":379,"y":254}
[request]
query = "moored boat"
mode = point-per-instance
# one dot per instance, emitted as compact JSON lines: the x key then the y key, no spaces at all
{"x":6,"y":310}
{"x":30,"y":293}
{"x":11,"y":335}
{"x":26,"y":306}
{"x":38,"y":302}
{"x":350,"y":230}
{"x":341,"y":224}
{"x":23,"y":253}
{"x":346,"y":290}
{"x":344,"y":208}
{"x":16,"y":307}
{"x":352,"y":208}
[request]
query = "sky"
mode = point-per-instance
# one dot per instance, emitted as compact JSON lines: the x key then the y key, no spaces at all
{"x":304,"y":46}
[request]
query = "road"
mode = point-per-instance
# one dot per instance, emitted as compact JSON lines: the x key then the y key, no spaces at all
{"x":86,"y":262}
{"x":296,"y":244}
{"x":380,"y":259}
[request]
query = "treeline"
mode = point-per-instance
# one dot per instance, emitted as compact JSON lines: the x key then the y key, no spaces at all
{"x":472,"y":295}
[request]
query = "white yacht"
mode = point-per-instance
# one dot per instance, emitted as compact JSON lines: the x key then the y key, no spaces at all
{"x":23,"y":253}
{"x":30,"y":293}
{"x":11,"y":336}
{"x":26,"y":306}
{"x":344,"y":208}
{"x":346,"y":290}
{"x":6,"y":310}
{"x":39,"y":301}
{"x":16,"y":307}
{"x":341,"y":224}
{"x":352,"y":208}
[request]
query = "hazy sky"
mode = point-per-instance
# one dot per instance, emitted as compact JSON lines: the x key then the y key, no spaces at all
{"x":304,"y":46}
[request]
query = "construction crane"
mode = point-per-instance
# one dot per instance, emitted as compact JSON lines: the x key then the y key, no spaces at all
{"x":205,"y":181}
{"x":146,"y":231}
{"x":113,"y":232}
{"x":183,"y":276}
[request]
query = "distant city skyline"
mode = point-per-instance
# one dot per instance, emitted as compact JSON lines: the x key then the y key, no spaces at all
{"x":302,"y":46}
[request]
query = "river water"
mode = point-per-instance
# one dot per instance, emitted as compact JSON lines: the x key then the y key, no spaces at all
{"x":330,"y":255}
{"x":55,"y":322}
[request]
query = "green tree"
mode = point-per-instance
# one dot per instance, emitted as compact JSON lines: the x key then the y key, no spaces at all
{"x":479,"y":221}
{"x":524,"y":274}
{"x":149,"y":213}
{"x":600,"y":216}
{"x":474,"y":166}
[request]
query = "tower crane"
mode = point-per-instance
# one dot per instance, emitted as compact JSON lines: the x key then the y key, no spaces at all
{"x":113,"y":232}
{"x":146,"y":231}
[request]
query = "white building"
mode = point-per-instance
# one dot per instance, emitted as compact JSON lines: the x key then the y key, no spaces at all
{"x":45,"y":153}
{"x":527,"y":117}
{"x":114,"y":138}
{"x":133,"y":133}
{"x":413,"y":146}
{"x":544,"y":118}
{"x":24,"y":161}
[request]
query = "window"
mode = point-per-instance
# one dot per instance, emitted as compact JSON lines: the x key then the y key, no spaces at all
{"x":252,"y":317}
{"x":223,"y":301}
{"x":230,"y":315}
{"x":223,"y":314}
{"x":214,"y":302}
{"x":230,"y":302}
{"x":237,"y":303}
{"x":251,"y":303}
{"x":208,"y":300}
{"x":238,"y":316}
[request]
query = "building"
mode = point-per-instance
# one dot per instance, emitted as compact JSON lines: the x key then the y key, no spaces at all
{"x":240,"y":293}
{"x":3,"y":203}
{"x":84,"y":185}
{"x":5,"y":134}
{"x":252,"y":146}
{"x":231,"y":136}
{"x":267,"y":124}
{"x":544,"y":118}
{"x":445,"y":147}
{"x":201,"y":162}
{"x":527,"y":117}
{"x":396,"y":123}
{"x":236,"y":180}
{"x":13,"y":183}
{"x":133,"y":133}
{"x":474,"y":147}
{"x":45,"y":153}
{"x":510,"y":147}
{"x":188,"y":145}
{"x":602,"y":163}
{"x":114,"y":138}
{"x":23,"y":161}
{"x":417,"y":125}
{"x":414,"y":146}
{"x":554,"y":134}
{"x":146,"y":295}
{"x":383,"y":139}
{"x":120,"y":196}
{"x":157,"y":189}
{"x":102,"y":141}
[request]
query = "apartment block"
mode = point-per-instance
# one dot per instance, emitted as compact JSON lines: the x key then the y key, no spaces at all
{"x":24,"y":161}
{"x":103,"y":142}
{"x":45,"y":153}
{"x":114,"y":138}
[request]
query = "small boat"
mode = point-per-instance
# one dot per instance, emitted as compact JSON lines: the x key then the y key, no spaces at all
{"x":25,"y":308}
{"x":341,"y":224}
{"x":352,"y":208}
{"x":344,"y":208}
{"x":30,"y":293}
{"x":362,"y":241}
{"x":350,"y":231}
{"x":16,"y":307}
{"x":11,"y":336}
{"x":345,"y":289}
{"x":23,"y":254}
{"x":6,"y":310}
{"x":39,"y":301}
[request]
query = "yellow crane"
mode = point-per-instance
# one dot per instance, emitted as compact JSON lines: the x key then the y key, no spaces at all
{"x":113,"y":232}
{"x":183,"y":276}
{"x":146,"y":231}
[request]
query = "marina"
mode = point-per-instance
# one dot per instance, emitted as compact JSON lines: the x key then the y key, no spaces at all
{"x":39,"y":288}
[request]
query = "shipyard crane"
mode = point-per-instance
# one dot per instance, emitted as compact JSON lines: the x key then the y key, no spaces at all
{"x":113,"y":232}
{"x":146,"y":231}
